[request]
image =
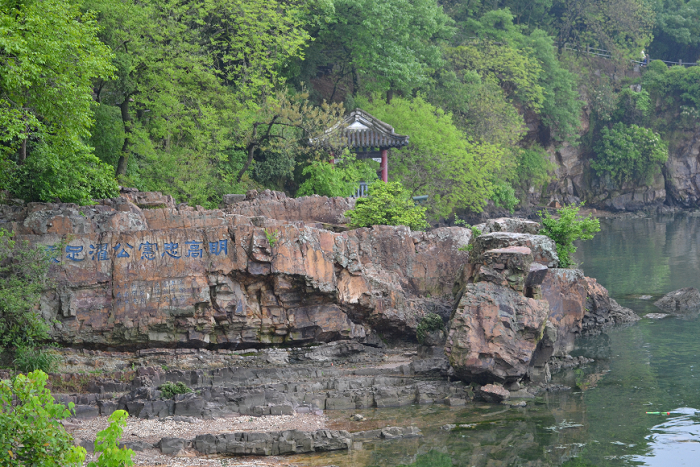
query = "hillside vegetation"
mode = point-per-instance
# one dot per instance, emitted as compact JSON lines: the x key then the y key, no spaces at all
{"x":202,"y":98}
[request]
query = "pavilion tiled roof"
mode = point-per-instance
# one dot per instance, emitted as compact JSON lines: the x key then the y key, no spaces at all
{"x":358,"y":129}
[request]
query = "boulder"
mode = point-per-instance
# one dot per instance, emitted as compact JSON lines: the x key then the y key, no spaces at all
{"x":565,"y":291}
{"x":510,"y":224}
{"x":493,"y":393}
{"x":544,"y":250}
{"x":601,"y":310}
{"x":681,"y":300}
{"x":507,"y":266}
{"x":493,"y":333}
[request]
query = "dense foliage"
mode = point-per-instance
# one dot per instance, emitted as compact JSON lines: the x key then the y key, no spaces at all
{"x":630,"y":154}
{"x":566,"y":229}
{"x":387,"y":204}
{"x":202,"y":98}
{"x":23,"y":276}
{"x":337,"y":179}
{"x":107,"y":443}
{"x":441,"y":161}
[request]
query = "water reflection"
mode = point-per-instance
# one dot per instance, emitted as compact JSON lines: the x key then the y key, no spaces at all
{"x":674,"y":442}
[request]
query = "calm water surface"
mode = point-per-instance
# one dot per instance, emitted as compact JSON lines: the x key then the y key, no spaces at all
{"x":652,"y":366}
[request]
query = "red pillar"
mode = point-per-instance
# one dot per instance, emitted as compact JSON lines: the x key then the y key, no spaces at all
{"x":385,"y":166}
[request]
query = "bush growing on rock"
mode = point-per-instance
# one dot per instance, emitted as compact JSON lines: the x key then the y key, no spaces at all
{"x":431,"y":322}
{"x":568,"y":228}
{"x":387,"y":204}
{"x":170,"y":389}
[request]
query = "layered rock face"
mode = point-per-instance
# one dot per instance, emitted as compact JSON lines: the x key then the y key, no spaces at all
{"x":162,"y":276}
{"x":678,"y":183}
{"x":515,"y":309}
{"x":276,"y":205}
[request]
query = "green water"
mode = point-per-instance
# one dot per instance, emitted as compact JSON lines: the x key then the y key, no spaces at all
{"x":651,"y":366}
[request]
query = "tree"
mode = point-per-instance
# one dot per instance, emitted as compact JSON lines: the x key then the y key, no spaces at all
{"x":440,"y":161}
{"x":284,"y":126}
{"x":629,"y":154}
{"x":387,"y":204}
{"x":387,"y":46}
{"x":49,"y":55}
{"x":568,"y":228}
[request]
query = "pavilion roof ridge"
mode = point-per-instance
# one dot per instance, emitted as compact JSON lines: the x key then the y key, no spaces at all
{"x":361,"y":130}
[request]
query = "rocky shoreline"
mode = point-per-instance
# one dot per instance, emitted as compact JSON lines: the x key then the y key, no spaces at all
{"x":261,"y":318}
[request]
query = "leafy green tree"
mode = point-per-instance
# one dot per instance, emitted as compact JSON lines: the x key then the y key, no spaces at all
{"x":516,"y":72}
{"x":30,"y":429}
{"x":337,"y":179}
{"x":629,"y":154}
{"x":393,"y":45}
{"x":533,"y":167}
{"x":387,"y":204}
{"x":566,"y":229}
{"x":23,"y":277}
{"x":632,"y":107}
{"x":440,"y":161}
{"x":49,"y":55}
{"x":479,"y":106}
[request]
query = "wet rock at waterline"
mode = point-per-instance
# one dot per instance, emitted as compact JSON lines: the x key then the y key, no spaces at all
{"x":493,"y":393}
{"x":513,"y":313}
{"x":494,"y":332}
{"x":681,"y":300}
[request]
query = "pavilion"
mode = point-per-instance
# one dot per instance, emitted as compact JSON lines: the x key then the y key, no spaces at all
{"x":364,"y":135}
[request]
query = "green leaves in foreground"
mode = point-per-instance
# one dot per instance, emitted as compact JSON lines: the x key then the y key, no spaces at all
{"x":30,"y":429}
{"x":568,"y":228}
{"x":111,"y":455}
{"x":387,"y":204}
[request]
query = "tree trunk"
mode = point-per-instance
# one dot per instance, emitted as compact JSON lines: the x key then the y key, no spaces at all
{"x":23,"y":152}
{"x":126,"y":120}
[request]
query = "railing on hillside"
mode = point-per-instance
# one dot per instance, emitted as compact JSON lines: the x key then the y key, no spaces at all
{"x":605,"y":54}
{"x":361,"y":191}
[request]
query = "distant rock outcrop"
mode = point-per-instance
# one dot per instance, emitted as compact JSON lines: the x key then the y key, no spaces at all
{"x":681,"y":300}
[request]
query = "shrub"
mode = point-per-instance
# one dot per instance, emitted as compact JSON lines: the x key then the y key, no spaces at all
{"x":630,"y":153}
{"x":29,"y":359}
{"x":111,"y":455}
{"x":339,"y":179}
{"x":23,"y":276}
{"x":170,"y":389}
{"x":568,"y":228}
{"x":30,"y":429}
{"x":387,"y":204}
{"x":430,"y":322}
{"x":504,"y":197}
{"x":533,"y":167}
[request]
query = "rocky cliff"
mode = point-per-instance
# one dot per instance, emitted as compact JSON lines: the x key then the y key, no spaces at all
{"x":137,"y":271}
{"x":677,"y":184}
